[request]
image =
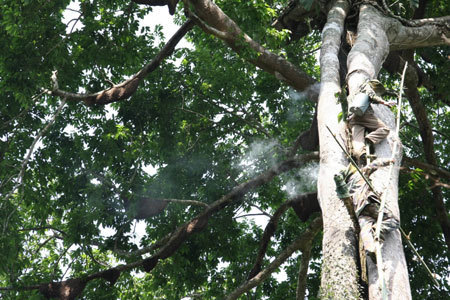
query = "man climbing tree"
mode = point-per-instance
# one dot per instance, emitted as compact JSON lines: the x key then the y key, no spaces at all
{"x":361,"y":119}
{"x":131,"y":167}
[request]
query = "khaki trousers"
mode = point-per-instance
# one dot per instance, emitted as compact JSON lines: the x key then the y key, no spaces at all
{"x":378,"y":131}
{"x":367,"y":222}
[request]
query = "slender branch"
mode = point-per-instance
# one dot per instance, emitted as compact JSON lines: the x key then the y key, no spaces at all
{"x":186,"y":202}
{"x":263,"y":212}
{"x":303,"y":271}
{"x":434,"y":130}
{"x":249,"y":215}
{"x":126,"y":88}
{"x":42,"y":228}
{"x":59,"y":259}
{"x":44,"y":243}
{"x":408,"y":241}
{"x":265,"y":239}
{"x":306,"y":237}
{"x":88,"y":250}
{"x":256,"y":125}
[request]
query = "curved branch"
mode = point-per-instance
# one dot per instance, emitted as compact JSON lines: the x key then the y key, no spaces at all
{"x":268,"y":233}
{"x":214,"y":21}
{"x":299,"y":244}
{"x":128,"y":87}
{"x":304,"y":206}
{"x":424,"y":33}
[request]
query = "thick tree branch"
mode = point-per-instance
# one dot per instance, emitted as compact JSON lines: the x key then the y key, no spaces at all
{"x":299,"y":20}
{"x":170,"y":3}
{"x":424,"y":33}
{"x":126,"y":88}
{"x":299,"y":244}
{"x":214,"y":21}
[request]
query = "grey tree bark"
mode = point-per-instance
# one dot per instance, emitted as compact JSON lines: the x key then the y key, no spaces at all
{"x":339,"y":266}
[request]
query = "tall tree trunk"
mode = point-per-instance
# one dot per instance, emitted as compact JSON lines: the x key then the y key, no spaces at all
{"x":339,"y":270}
{"x":339,"y":267}
{"x":364,"y":62}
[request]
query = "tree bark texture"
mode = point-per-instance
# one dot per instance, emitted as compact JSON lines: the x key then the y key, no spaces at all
{"x":339,"y":279}
{"x":364,"y":62}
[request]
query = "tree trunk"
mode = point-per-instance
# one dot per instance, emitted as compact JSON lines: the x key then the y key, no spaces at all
{"x":339,"y":269}
{"x":339,"y":266}
{"x":364,"y":62}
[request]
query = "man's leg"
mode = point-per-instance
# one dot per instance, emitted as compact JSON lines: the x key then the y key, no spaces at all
{"x":378,"y":130}
{"x":358,"y":140}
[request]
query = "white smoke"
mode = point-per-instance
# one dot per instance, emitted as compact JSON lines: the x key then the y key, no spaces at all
{"x":258,"y":151}
{"x":308,"y":94}
{"x":304,"y":180}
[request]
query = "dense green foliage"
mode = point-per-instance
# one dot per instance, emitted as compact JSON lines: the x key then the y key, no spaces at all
{"x":205,"y":120}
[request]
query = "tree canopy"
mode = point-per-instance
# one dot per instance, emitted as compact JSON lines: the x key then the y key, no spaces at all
{"x":106,"y":125}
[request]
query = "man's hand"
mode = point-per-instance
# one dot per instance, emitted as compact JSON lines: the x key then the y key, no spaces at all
{"x":390,"y":103}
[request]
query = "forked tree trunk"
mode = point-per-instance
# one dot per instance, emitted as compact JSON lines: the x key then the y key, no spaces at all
{"x":339,"y":270}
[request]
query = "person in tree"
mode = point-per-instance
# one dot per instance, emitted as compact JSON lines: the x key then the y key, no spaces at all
{"x":352,"y":188}
{"x":361,"y":117}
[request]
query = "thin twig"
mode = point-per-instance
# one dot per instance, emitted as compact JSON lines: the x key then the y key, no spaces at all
{"x":59,"y":259}
{"x":249,"y":215}
{"x":408,"y":241}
